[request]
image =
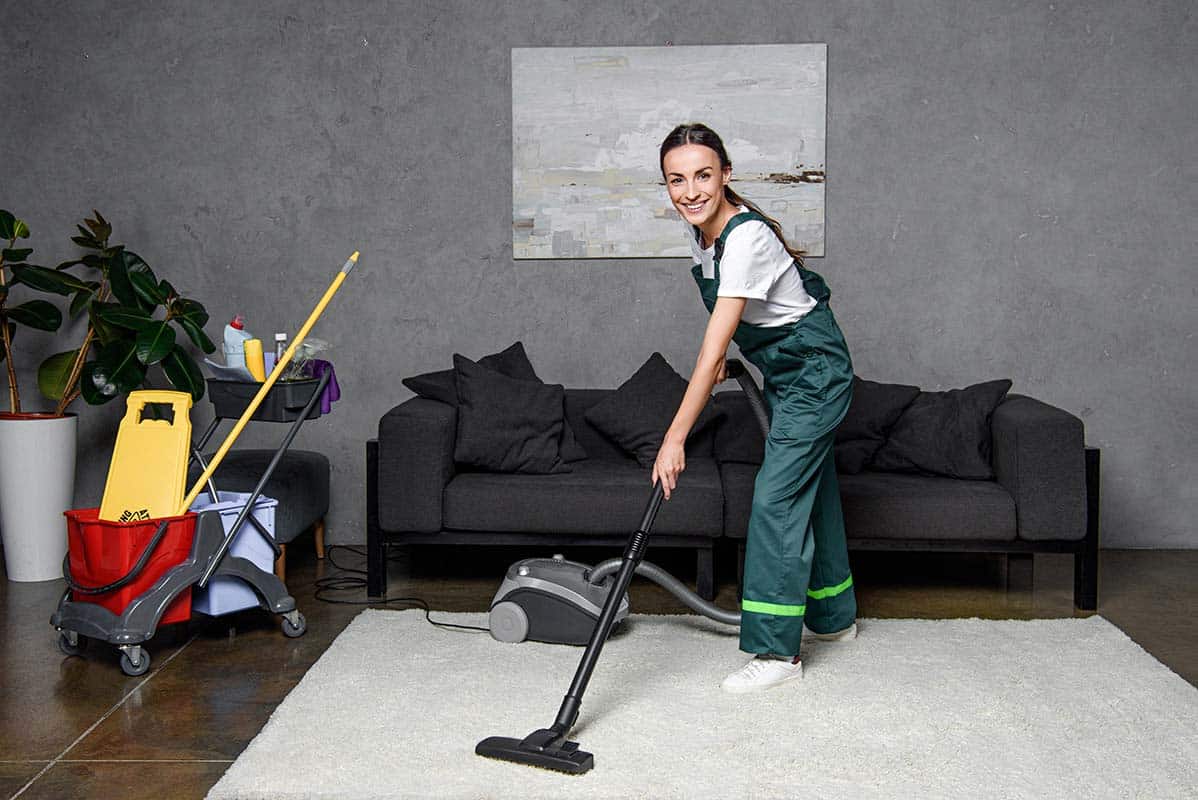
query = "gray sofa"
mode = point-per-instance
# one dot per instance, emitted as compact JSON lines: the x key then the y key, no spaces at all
{"x":1044,"y":497}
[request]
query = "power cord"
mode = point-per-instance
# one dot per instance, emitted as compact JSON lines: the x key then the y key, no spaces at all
{"x":348,"y":581}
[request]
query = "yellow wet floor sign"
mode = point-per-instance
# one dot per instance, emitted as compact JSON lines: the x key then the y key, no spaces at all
{"x":148,"y":473}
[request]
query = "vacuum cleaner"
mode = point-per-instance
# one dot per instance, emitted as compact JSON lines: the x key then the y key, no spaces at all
{"x":555,"y":600}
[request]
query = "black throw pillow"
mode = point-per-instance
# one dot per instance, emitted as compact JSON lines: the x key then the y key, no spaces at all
{"x":506,"y":424}
{"x":874,"y":410}
{"x":945,"y":433}
{"x":637,"y":415}
{"x":442,"y":385}
{"x":512,"y":362}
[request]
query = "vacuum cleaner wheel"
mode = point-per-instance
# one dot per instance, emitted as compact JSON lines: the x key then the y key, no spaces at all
{"x":509,"y":623}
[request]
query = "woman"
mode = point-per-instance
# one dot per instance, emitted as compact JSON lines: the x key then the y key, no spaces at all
{"x":760,"y":295}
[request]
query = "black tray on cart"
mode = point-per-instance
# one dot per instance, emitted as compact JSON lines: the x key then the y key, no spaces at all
{"x":283,"y":403}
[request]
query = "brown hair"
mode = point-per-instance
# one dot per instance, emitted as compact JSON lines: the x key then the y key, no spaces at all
{"x":698,"y":133}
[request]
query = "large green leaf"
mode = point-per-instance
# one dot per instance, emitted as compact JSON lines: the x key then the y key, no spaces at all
{"x":196,"y":334}
{"x":118,"y":280}
{"x":52,"y":375}
{"x":106,"y":332}
{"x":11,"y":227}
{"x":83,"y":298}
{"x":15,"y":254}
{"x":147,"y":289}
{"x":183,"y":373}
{"x":91,"y":386}
{"x":133,"y":319}
{"x":38,"y":314}
{"x":154,"y":342}
{"x":117,"y":369}
{"x":47,"y":280}
{"x":189,"y":309}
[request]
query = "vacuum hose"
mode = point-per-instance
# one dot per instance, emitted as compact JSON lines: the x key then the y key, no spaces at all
{"x":671,"y":584}
{"x":737,"y":371}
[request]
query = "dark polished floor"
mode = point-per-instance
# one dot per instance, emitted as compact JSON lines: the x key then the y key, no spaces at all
{"x":77,"y":727}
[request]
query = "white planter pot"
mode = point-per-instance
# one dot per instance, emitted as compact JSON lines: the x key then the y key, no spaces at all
{"x":37,"y":484}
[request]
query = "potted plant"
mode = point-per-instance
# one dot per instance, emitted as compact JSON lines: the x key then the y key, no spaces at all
{"x":37,"y":449}
{"x":132,"y":318}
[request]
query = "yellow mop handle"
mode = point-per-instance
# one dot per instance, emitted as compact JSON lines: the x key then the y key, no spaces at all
{"x":270,"y":381}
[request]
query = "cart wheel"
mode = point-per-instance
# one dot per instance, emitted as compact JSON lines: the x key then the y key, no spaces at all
{"x":70,"y":643}
{"x":141,"y":667}
{"x":297,"y":628}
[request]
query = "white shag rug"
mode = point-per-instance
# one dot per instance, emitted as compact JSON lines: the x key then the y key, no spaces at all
{"x":1063,"y":708}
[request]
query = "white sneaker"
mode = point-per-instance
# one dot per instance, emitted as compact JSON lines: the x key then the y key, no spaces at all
{"x":761,"y":673}
{"x":838,"y":636}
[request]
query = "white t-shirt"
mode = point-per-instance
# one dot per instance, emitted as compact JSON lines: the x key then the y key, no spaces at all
{"x":756,"y":266}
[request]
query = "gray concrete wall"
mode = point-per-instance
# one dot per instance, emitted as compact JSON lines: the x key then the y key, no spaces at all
{"x":1010,"y":194}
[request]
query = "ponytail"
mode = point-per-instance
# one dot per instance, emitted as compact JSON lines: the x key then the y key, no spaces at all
{"x":774,"y":225}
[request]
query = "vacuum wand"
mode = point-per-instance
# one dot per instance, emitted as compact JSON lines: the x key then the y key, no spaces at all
{"x":633,"y":553}
{"x":548,"y":747}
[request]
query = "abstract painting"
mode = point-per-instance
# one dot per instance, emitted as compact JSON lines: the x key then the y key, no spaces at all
{"x":587,"y":123}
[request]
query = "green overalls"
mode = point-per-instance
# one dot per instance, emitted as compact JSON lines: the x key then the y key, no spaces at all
{"x":796,"y":558}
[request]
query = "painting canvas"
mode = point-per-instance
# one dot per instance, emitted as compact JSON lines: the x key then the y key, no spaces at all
{"x":587,"y":123}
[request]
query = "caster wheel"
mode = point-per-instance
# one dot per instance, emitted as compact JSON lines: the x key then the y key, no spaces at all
{"x":140,"y":668}
{"x":293,"y":629}
{"x":70,"y":643}
{"x":509,"y":623}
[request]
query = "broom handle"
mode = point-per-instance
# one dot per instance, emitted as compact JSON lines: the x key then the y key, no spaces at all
{"x":266,"y":386}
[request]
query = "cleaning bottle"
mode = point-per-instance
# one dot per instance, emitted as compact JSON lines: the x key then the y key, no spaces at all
{"x":235,"y":336}
{"x":253,"y":359}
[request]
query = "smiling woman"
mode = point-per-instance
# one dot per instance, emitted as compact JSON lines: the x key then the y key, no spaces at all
{"x":760,"y":295}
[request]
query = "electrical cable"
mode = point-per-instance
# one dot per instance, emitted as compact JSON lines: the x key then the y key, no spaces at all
{"x":347,"y":582}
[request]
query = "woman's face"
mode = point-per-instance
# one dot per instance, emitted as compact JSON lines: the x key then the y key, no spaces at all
{"x":696,"y":182}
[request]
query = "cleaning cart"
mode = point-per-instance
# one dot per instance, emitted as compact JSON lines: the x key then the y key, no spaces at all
{"x":152,"y":560}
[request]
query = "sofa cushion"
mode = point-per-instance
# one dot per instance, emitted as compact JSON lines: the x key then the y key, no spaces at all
{"x":638,"y":413}
{"x":600,"y":496}
{"x":512,"y":362}
{"x":506,"y":424}
{"x":944,"y":433}
{"x":874,"y":410}
{"x":880,"y":505}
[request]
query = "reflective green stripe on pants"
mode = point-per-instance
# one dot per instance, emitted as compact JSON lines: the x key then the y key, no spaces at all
{"x":796,"y":539}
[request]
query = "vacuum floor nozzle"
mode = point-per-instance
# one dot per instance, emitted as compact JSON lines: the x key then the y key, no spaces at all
{"x":542,"y":748}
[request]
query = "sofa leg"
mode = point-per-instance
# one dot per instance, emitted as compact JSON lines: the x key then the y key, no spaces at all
{"x":1085,"y":560}
{"x":318,"y":535}
{"x":705,"y":573}
{"x":1019,"y":571}
{"x":376,"y":546}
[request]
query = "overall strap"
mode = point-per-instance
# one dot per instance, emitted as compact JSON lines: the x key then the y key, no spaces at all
{"x":742,"y":217}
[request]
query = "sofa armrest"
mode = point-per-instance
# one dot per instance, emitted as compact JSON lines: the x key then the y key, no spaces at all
{"x":1039,"y":456}
{"x":415,"y":462}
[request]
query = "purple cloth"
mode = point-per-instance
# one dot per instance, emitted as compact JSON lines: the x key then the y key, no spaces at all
{"x":332,"y":391}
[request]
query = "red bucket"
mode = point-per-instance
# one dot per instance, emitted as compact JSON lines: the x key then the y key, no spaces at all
{"x":102,"y":552}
